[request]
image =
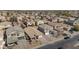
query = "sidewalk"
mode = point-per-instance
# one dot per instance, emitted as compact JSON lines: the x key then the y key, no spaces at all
{"x":1,"y":39}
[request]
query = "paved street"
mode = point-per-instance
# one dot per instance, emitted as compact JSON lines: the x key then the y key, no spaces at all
{"x":64,"y":43}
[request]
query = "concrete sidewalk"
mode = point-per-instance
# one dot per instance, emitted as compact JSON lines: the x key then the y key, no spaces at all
{"x":1,"y":39}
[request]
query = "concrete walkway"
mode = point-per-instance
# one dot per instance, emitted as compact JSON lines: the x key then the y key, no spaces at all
{"x":1,"y":39}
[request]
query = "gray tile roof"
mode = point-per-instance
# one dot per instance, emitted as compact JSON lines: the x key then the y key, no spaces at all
{"x":46,"y":27}
{"x":14,"y":29}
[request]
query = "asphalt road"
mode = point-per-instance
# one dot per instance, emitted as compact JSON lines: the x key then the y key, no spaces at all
{"x":62,"y":44}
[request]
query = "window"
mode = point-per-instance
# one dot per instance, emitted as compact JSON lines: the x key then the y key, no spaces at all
{"x":17,"y":34}
{"x":21,"y":38}
{"x":14,"y":34}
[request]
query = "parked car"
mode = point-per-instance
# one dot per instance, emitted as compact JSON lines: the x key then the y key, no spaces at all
{"x":67,"y":36}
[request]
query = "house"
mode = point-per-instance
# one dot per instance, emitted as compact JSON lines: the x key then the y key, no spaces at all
{"x":4,"y":25}
{"x":39,"y":22}
{"x":13,"y":34}
{"x":30,"y":22}
{"x":33,"y":33}
{"x":2,"y":18}
{"x":45,"y":28}
{"x":56,"y":19}
{"x":59,"y":27}
{"x":60,"y":20}
{"x":70,"y":21}
{"x":74,"y":13}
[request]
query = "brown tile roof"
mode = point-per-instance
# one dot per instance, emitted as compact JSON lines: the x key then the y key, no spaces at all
{"x":32,"y":31}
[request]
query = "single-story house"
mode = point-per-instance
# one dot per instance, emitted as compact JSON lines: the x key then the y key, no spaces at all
{"x":39,"y":22}
{"x":33,"y":33}
{"x":45,"y":28}
{"x":4,"y":25}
